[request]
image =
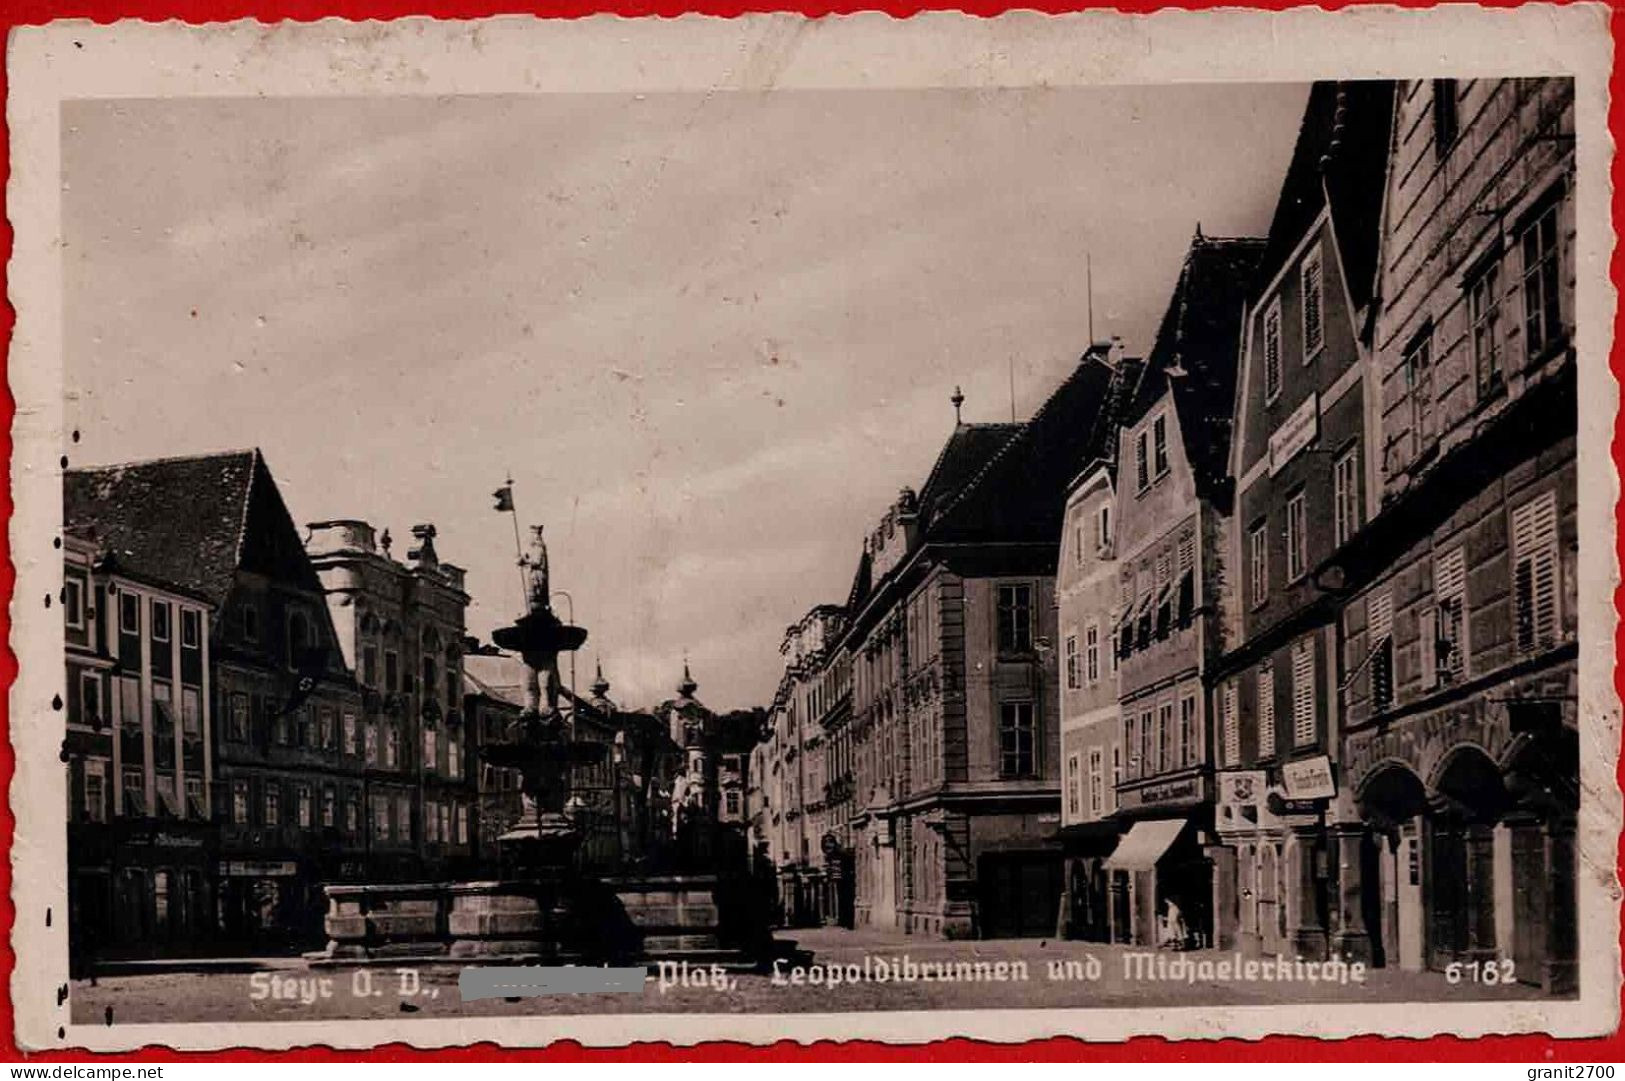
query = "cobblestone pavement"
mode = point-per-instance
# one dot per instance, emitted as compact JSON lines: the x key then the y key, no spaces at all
{"x":1013,"y":973}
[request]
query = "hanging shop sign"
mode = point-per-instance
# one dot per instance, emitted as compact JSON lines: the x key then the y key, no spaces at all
{"x":1308,"y":778}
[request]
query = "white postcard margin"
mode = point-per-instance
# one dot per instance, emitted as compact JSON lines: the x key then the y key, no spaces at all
{"x":75,"y":60}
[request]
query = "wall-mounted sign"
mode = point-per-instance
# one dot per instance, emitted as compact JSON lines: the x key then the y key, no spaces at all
{"x":1185,"y":790}
{"x":1295,"y":433}
{"x":258,"y":868}
{"x":1239,"y":794}
{"x":1308,"y":778}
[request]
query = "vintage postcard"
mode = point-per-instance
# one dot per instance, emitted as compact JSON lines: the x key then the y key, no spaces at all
{"x":771,"y":528}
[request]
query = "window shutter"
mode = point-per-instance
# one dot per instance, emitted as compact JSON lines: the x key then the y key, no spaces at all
{"x":1428,"y":633}
{"x":1266,"y":711}
{"x":1232,"y":731}
{"x":1450,"y":590}
{"x":1303,"y":693}
{"x":1272,"y":351}
{"x":1311,"y":308}
{"x":1534,"y":553}
{"x":1380,"y":615}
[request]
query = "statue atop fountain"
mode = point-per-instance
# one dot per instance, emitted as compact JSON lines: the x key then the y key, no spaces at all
{"x":538,"y":745}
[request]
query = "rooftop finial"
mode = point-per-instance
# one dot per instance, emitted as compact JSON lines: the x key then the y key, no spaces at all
{"x":600,"y":685}
{"x":958,"y":399}
{"x":688,"y":686}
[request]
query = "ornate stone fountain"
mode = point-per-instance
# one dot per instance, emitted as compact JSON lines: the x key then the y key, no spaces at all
{"x":531,"y":910}
{"x":542,"y":908}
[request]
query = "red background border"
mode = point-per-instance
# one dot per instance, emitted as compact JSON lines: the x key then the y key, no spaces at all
{"x":1532,"y":1049}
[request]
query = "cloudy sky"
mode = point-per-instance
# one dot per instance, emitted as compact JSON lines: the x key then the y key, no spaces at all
{"x":709,"y":335}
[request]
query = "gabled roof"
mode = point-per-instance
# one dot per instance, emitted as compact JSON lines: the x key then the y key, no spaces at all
{"x":1199,"y":337}
{"x":1019,"y":493}
{"x":968,"y":448}
{"x":190,"y":521}
{"x":1341,"y":153}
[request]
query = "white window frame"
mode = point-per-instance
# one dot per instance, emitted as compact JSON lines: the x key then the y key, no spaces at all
{"x":1074,"y":674}
{"x":1074,"y":786}
{"x":1346,"y":495}
{"x":1486,"y":333}
{"x":157,"y":605}
{"x":1297,"y":535}
{"x":193,"y":619}
{"x":95,"y":811}
{"x":1097,"y":770}
{"x":1159,"y":446}
{"x":1272,"y":349}
{"x":93,"y":680}
{"x":1091,"y":654}
{"x":1190,"y":731}
{"x":73,"y":602}
{"x":1258,"y":564}
{"x":129,"y":612}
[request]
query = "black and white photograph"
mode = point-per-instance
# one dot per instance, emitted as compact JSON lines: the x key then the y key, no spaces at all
{"x":760,"y":552}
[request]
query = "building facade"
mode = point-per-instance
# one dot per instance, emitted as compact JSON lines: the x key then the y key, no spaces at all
{"x":955,"y":723}
{"x":142,"y":833}
{"x":808,"y":755}
{"x":1459,"y":743}
{"x":1091,"y":739}
{"x":1168,"y":874}
{"x":1303,"y":465}
{"x":400,"y":627}
{"x":285,"y":791}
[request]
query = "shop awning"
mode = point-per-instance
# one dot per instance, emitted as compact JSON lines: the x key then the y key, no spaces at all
{"x":1144,"y":844}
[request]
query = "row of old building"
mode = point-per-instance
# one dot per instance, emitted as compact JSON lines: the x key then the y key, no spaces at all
{"x":1266,"y":639}
{"x":253,"y":714}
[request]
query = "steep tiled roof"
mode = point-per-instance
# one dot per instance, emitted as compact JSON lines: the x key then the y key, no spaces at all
{"x":962,"y":456}
{"x":1019,"y":492}
{"x":1343,"y":140}
{"x":1199,"y":336}
{"x":184,"y":521}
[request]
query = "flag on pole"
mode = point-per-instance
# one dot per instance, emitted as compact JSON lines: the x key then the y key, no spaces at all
{"x":504,"y":497}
